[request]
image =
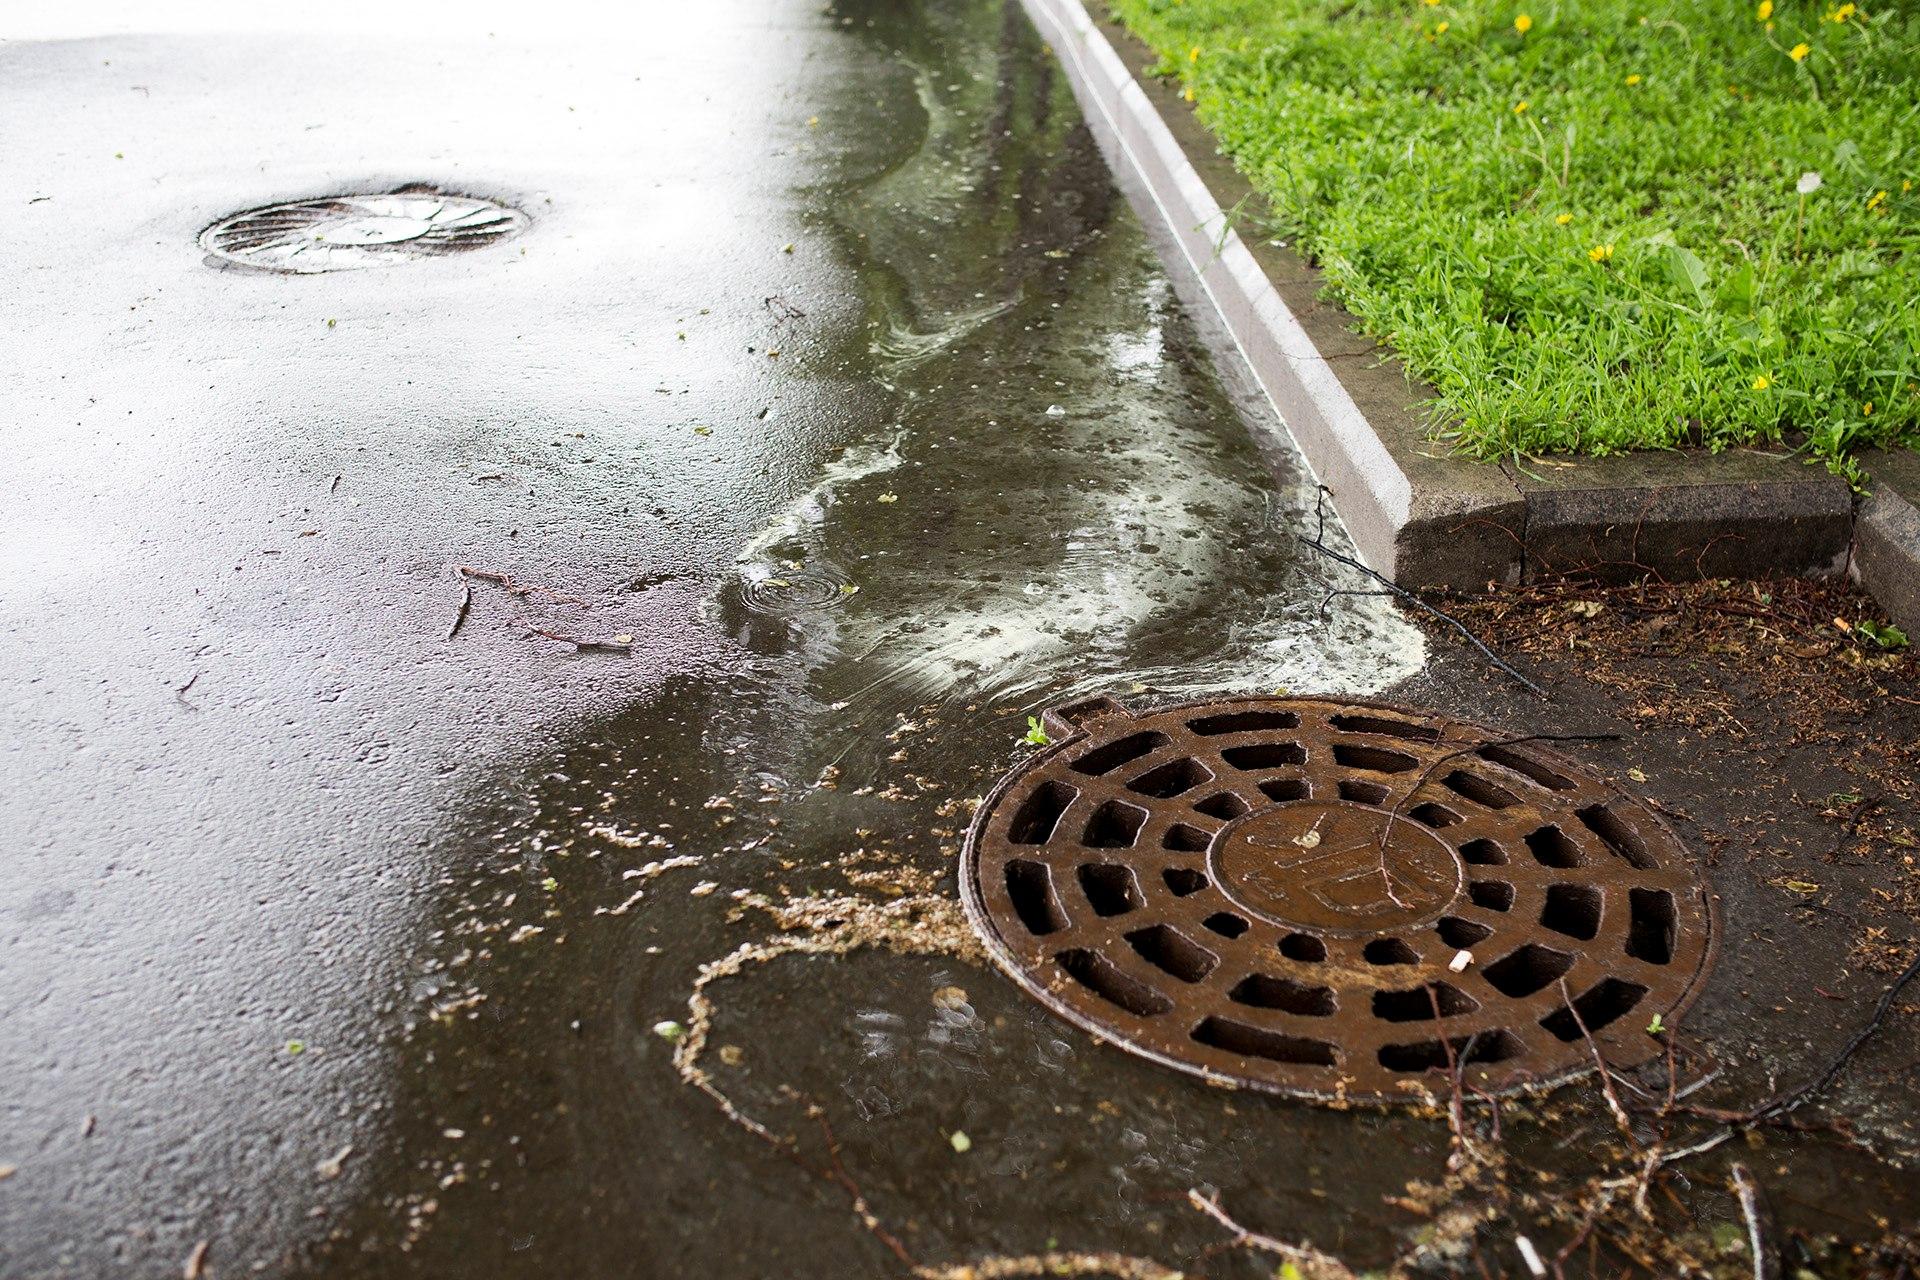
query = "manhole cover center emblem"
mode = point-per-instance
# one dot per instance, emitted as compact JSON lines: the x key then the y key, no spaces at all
{"x":1336,"y":866}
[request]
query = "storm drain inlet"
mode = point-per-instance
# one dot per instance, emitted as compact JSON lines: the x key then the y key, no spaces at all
{"x":349,"y":232}
{"x":1334,"y":899}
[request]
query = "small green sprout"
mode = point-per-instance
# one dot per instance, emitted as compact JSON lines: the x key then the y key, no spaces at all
{"x":1036,"y":736}
{"x":670,"y":1031}
{"x":1657,"y":1027}
{"x":296,"y":1046}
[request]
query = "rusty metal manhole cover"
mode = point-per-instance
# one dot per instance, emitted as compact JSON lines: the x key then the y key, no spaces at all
{"x":346,"y":233}
{"x":1276,"y":893}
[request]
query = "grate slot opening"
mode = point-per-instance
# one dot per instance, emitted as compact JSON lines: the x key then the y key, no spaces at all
{"x":1494,"y":895}
{"x":1433,"y":815}
{"x":1226,"y":924}
{"x":1114,"y":825}
{"x":1651,"y":928}
{"x":1171,"y":779}
{"x":1479,"y":790}
{"x":1572,"y":909}
{"x":1362,"y":792}
{"x":1182,"y":838}
{"x":1527,"y":970}
{"x":1183,"y":881}
{"x":1416,"y":1004}
{"x":1388,"y":728}
{"x":1097,"y":974}
{"x":1617,"y":835}
{"x":1173,"y":952}
{"x":1284,"y":994}
{"x":1285,"y":789}
{"x":1265,"y":755}
{"x":1303,"y":947}
{"x":1607,"y":1001}
{"x":1105,"y":759}
{"x":1244,"y":722}
{"x":1433,"y":1055}
{"x":1461,"y":934}
{"x":1040,"y":813}
{"x":1483,"y":853}
{"x":1111,"y":889}
{"x":1238,"y":1037}
{"x":1030,"y":889}
{"x":1526,"y":767}
{"x":1224,"y":804}
{"x":1384,"y":951}
{"x":1355,"y":755}
{"x":1551,"y":847}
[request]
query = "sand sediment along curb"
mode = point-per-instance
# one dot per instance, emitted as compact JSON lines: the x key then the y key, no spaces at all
{"x":1420,"y":516}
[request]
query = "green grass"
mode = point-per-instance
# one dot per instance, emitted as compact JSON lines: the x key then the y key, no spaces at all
{"x":1587,"y":235}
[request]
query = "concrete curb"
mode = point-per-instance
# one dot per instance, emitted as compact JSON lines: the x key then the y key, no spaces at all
{"x":1886,"y":557}
{"x":1417,"y":515}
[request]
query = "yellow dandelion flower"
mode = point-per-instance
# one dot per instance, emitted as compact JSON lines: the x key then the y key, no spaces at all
{"x":1906,"y":184}
{"x":1188,"y":95}
{"x":1520,"y":107}
{"x":1761,"y":382}
{"x":1523,"y":24}
{"x":1431,"y":3}
{"x":1764,"y":12}
{"x":1633,"y":79}
{"x":1442,"y":28}
{"x":1866,"y":410}
{"x":1601,"y":253}
{"x":1800,"y":51}
{"x":1564,"y":219}
{"x":1842,"y":13}
{"x":1193,"y":54}
{"x":1879,"y":198}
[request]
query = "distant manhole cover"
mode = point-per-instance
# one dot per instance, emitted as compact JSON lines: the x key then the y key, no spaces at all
{"x":1274,"y":892}
{"x":345,"y":233}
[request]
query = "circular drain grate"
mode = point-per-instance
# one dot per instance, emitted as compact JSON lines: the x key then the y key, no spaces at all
{"x":1274,"y":892}
{"x":345,"y":233}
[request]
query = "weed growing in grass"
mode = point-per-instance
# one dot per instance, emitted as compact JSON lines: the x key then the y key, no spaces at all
{"x":1589,"y":226}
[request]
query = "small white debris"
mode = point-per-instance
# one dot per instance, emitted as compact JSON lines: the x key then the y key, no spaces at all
{"x":1055,"y":411}
{"x":702,"y":889}
{"x":330,"y":1168}
{"x":961,"y":1142}
{"x":624,"y":907}
{"x":524,"y":932}
{"x":1460,"y":961}
{"x":1530,"y":1256}
{"x":455,"y":1134}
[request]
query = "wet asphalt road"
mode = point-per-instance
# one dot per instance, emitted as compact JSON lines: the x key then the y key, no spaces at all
{"x":830,"y":370}
{"x":832,"y":374}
